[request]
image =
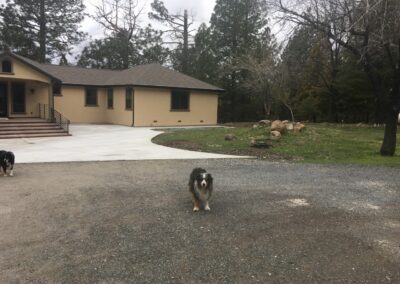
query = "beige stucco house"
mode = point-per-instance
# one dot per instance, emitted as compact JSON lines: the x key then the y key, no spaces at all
{"x":146,"y":95}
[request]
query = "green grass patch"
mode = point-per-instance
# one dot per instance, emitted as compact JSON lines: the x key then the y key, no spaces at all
{"x":318,"y":143}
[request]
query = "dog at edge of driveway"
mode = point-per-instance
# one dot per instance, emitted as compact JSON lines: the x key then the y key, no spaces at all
{"x":7,"y":160}
{"x":201,"y":187}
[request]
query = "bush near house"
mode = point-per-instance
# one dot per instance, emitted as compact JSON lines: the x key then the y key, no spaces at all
{"x":318,"y":143}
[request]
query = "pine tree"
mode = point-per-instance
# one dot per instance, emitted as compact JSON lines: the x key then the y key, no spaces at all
{"x":126,"y":43}
{"x":203,"y":57}
{"x":237,"y":27}
{"x":41,"y":30}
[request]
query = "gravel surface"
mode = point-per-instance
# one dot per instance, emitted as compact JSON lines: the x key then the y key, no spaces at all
{"x":120,"y":222}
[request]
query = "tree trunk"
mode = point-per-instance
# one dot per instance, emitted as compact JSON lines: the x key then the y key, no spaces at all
{"x":332,"y":112}
{"x":267,"y":109}
{"x":389,"y":141}
{"x":125,"y":51}
{"x":185,"y":61}
{"x":376,"y":84}
{"x":235,"y":108}
{"x":333,"y":92}
{"x":290,"y":109}
{"x":42,"y":32}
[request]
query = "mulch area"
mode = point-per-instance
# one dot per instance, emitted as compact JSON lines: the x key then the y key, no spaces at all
{"x":259,"y":153}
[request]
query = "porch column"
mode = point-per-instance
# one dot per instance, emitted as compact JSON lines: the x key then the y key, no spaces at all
{"x":51,"y":101}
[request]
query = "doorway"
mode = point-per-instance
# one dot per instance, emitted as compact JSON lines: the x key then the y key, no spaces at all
{"x":3,"y":100}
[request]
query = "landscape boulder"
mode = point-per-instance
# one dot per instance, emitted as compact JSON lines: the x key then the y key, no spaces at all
{"x":264,"y":122}
{"x":260,"y":142}
{"x":230,"y":137}
{"x":289,"y":126}
{"x":278,"y":125}
{"x":298,"y":127}
{"x":275,"y":135}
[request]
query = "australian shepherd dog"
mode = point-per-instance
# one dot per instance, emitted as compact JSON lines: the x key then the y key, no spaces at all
{"x":201,"y":187}
{"x":7,"y":160}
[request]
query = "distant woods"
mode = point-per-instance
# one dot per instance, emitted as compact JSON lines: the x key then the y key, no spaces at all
{"x":338,"y":62}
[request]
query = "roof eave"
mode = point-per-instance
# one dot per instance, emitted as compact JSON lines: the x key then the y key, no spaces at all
{"x":143,"y":86}
{"x":10,"y":54}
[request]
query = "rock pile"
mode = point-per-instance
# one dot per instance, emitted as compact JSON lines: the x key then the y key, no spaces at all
{"x":278,"y":128}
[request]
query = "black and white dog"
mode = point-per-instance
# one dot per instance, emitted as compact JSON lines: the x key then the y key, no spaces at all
{"x":201,"y":187}
{"x":7,"y":160}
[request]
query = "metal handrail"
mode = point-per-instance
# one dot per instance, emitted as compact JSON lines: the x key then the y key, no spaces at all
{"x":48,"y":113}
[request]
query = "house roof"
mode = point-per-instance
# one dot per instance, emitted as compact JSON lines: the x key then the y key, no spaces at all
{"x":149,"y":75}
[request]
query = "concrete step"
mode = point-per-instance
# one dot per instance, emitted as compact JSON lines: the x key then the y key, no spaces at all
{"x":29,"y":128}
{"x":4,"y":133}
{"x":48,"y":124}
{"x":22,"y":120}
{"x":20,"y":128}
{"x":15,"y":136}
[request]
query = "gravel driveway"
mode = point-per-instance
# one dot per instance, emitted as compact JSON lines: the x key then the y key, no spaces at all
{"x":120,"y":222}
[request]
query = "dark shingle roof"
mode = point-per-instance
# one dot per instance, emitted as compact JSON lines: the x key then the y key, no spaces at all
{"x":149,"y":75}
{"x":158,"y":76}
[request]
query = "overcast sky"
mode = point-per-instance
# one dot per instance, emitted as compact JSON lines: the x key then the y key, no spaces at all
{"x":201,"y":10}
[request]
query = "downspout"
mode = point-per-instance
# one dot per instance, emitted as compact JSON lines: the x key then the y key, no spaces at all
{"x":133,"y":107}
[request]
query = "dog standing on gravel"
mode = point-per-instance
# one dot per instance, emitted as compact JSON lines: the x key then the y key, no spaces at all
{"x":201,"y":187}
{"x":7,"y":160}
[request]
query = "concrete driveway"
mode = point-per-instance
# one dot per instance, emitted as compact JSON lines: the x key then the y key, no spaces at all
{"x":98,"y":143}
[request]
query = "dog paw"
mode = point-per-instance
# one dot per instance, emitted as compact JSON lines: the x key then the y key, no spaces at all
{"x":196,"y":209}
{"x":207,"y":208}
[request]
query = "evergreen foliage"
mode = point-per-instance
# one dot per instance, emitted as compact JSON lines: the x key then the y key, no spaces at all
{"x":41,"y":29}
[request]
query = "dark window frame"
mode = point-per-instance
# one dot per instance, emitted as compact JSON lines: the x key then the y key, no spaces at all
{"x":87,"y":92}
{"x":110,"y":98}
{"x":57,"y":90}
{"x":10,"y":66}
{"x":178,"y":102}
{"x":13,"y":104}
{"x":129,"y":94}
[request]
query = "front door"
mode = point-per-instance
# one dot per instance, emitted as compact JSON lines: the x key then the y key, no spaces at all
{"x":18,"y":98}
{"x":3,"y":100}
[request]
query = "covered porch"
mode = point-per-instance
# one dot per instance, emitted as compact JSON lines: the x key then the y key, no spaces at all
{"x":22,"y":98}
{"x":22,"y":88}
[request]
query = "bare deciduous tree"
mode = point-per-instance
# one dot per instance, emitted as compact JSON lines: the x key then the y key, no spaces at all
{"x":265,"y":80}
{"x":370,"y":30}
{"x":178,"y":27}
{"x":119,"y":16}
{"x":260,"y":79}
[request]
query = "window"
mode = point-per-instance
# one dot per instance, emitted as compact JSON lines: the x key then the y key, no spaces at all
{"x":6,"y":66}
{"x":110,"y":98}
{"x":18,"y":97}
{"x":91,"y":97}
{"x":57,"y":89}
{"x":129,"y":98}
{"x":180,"y":100}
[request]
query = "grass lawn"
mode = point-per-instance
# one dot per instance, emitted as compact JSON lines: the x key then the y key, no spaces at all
{"x":318,"y":143}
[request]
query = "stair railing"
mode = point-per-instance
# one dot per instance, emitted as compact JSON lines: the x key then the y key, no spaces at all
{"x":48,"y":113}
